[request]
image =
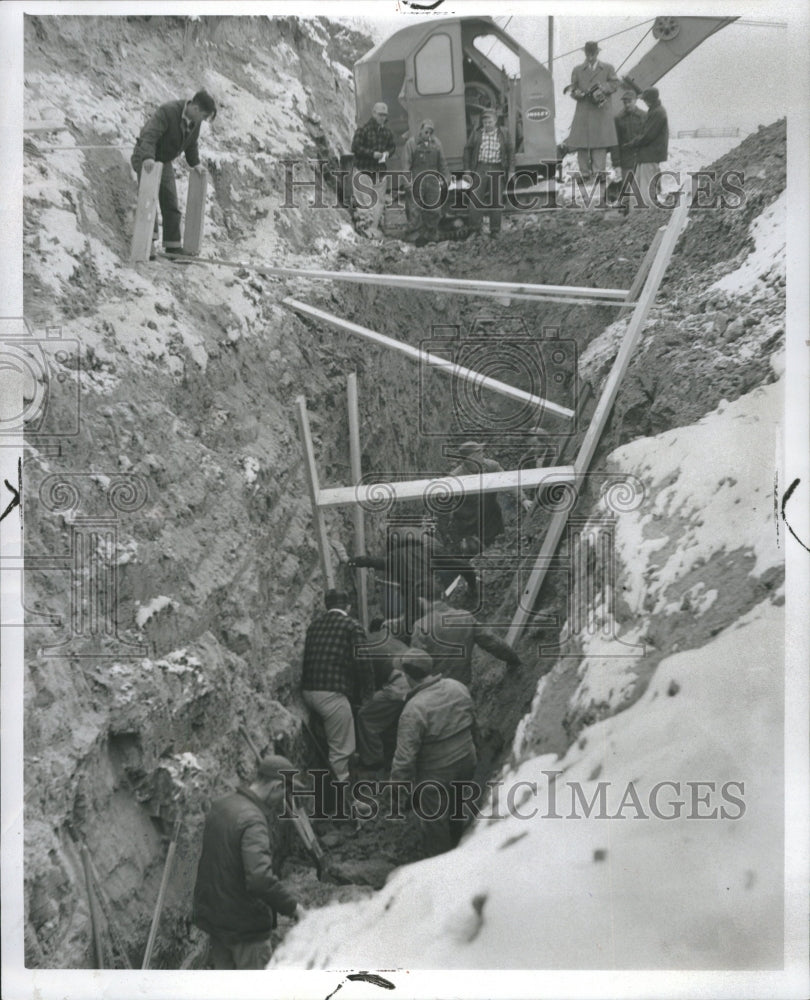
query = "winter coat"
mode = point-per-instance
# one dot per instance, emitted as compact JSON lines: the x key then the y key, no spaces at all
{"x":593,"y":127}
{"x":435,"y":728}
{"x":652,"y":145}
{"x":162,"y":137}
{"x":369,"y":139}
{"x":478,"y":514}
{"x":472,"y":149}
{"x":628,"y":125}
{"x":449,"y":635}
{"x":237,"y":893}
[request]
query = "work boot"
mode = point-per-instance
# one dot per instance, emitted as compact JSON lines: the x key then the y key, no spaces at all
{"x":177,"y":252}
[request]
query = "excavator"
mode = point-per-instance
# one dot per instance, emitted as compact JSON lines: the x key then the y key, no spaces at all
{"x":446,"y":70}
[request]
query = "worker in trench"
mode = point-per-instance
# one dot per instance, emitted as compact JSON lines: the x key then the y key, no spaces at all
{"x":173,"y":129}
{"x":477,"y":520}
{"x":435,"y":752}
{"x":238,"y":895}
{"x":335,"y":680}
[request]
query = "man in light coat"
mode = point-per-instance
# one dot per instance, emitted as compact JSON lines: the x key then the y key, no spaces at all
{"x":592,"y":131}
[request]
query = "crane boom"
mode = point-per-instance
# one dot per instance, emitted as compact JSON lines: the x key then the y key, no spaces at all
{"x":676,"y":38}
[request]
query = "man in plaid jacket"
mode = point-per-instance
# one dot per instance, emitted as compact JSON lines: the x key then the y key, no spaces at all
{"x":335,"y":676}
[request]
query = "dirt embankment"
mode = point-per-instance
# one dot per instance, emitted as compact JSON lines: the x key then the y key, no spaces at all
{"x":188,"y":384}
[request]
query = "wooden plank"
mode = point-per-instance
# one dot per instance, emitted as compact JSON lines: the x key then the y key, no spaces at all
{"x":456,"y":286}
{"x":666,"y":245}
{"x":415,"y":489}
{"x":311,"y":472}
{"x":355,"y":458}
{"x":145,"y":214}
{"x":434,"y":360}
{"x":643,"y":271}
{"x":40,"y":127}
{"x":631,"y":338}
{"x":195,"y":211}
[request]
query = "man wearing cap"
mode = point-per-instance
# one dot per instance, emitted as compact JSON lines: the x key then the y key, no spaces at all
{"x":423,"y":158}
{"x":478,"y":520}
{"x":592,"y":131}
{"x":449,"y":635}
{"x":173,"y":129}
{"x":488,"y":157}
{"x":650,"y":147}
{"x":629,"y":123}
{"x":335,"y":677}
{"x":238,"y":895}
{"x":435,"y":747}
{"x":372,"y":145}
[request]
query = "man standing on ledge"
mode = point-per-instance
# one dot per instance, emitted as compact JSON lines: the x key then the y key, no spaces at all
{"x":238,"y":894}
{"x":372,"y":145}
{"x":173,"y":129}
{"x":651,"y":147}
{"x":593,"y":131}
{"x":488,"y":155}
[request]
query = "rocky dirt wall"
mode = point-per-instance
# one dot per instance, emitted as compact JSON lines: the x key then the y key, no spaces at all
{"x":187,"y":383}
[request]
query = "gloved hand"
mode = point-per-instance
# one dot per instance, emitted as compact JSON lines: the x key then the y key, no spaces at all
{"x":199,"y":169}
{"x":527,"y":504}
{"x":147,"y":165}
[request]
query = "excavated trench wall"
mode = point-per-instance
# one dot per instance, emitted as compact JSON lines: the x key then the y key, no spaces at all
{"x":187,"y":387}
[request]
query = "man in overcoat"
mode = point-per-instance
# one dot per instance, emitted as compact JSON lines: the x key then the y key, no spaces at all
{"x":592,"y":131}
{"x":173,"y":129}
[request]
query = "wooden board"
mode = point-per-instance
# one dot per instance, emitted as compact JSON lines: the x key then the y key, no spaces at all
{"x":311,"y":473}
{"x":355,"y":457}
{"x":145,"y":214}
{"x":666,"y":244}
{"x":195,"y":212}
{"x":434,"y":360}
{"x":415,"y":489}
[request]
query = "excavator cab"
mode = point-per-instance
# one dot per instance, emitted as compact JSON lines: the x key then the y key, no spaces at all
{"x":449,"y":70}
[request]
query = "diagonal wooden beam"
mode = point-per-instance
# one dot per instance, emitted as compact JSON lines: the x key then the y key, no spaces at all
{"x":424,"y":357}
{"x":635,"y":328}
{"x":416,"y":489}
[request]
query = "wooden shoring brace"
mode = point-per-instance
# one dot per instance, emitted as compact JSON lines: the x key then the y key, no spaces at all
{"x":195,"y":211}
{"x":311,"y":472}
{"x":145,"y":213}
{"x":433,"y":360}
{"x":642,"y":272}
{"x":355,"y":457}
{"x":445,"y":486}
{"x":164,"y":884}
{"x":635,"y":328}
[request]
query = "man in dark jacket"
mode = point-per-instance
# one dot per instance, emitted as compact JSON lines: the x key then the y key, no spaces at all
{"x":487,"y":162}
{"x":238,"y":894}
{"x":173,"y":129}
{"x":629,"y":123}
{"x":435,"y":751}
{"x":651,"y":147}
{"x":372,"y":145}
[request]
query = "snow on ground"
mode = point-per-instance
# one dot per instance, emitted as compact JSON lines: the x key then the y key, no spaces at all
{"x":767,"y":259}
{"x":663,"y":875}
{"x":708,"y":490}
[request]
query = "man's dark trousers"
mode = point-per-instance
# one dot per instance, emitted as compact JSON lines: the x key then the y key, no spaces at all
{"x":444,"y":832}
{"x":167,"y":199}
{"x":489,"y":196}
